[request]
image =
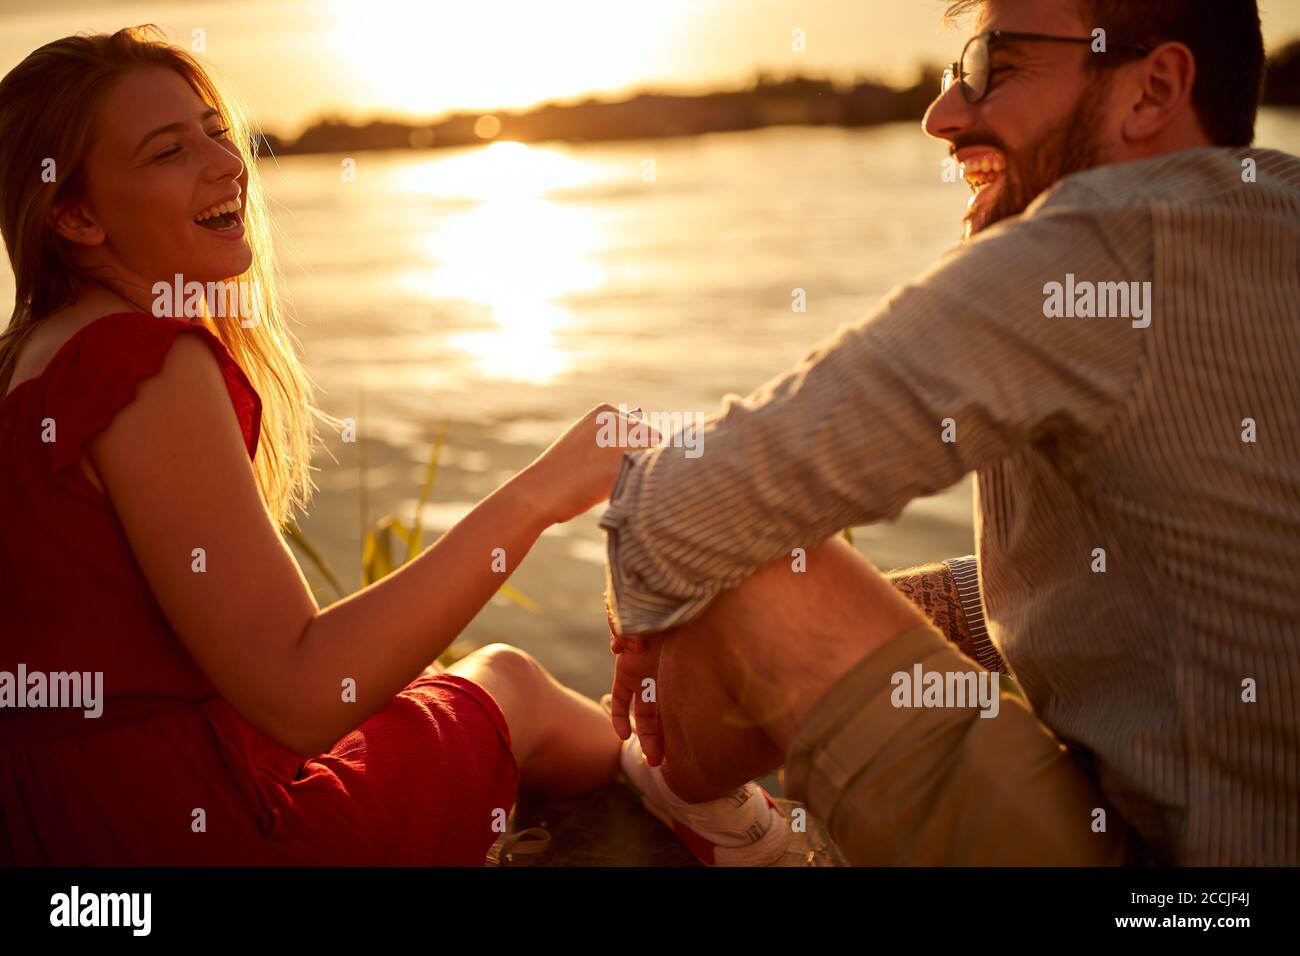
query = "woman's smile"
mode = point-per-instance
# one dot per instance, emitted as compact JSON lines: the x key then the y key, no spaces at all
{"x":224,"y":218}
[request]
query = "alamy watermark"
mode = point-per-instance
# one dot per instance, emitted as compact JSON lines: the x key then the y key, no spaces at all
{"x":624,"y":429}
{"x":228,"y":299}
{"x":75,"y":908}
{"x":922,"y":688}
{"x":1098,"y":300}
{"x":56,"y":690}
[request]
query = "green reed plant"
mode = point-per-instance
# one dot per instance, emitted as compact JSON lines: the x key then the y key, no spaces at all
{"x":389,"y":543}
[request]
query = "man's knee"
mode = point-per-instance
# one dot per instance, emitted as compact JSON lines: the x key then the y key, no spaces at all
{"x":830,"y":586}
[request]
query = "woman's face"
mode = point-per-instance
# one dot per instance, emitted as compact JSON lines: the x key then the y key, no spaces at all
{"x":162,"y":157}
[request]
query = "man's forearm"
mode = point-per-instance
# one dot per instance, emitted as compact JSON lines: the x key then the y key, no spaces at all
{"x":936,"y":592}
{"x":847,"y":438}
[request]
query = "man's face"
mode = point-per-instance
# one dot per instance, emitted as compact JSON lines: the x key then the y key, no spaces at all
{"x":1042,"y":119}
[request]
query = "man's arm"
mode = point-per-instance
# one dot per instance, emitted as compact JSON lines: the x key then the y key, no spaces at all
{"x":948,"y":594}
{"x":951,"y":373}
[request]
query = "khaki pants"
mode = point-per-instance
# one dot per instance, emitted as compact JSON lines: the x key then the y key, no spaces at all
{"x":943,"y":785}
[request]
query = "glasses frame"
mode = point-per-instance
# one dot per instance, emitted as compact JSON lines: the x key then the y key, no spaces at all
{"x":955,"y":72}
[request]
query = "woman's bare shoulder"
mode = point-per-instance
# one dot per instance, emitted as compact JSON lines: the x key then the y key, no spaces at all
{"x":53,"y":332}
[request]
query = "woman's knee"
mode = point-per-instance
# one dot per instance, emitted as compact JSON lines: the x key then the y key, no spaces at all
{"x":515,"y":680}
{"x":502,"y":664}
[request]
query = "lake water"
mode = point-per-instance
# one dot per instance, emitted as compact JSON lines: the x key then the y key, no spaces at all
{"x":503,"y":290}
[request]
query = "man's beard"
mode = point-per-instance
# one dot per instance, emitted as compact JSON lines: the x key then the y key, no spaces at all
{"x":1069,"y":147}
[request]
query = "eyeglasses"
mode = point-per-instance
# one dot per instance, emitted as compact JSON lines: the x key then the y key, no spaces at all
{"x":974,"y":69}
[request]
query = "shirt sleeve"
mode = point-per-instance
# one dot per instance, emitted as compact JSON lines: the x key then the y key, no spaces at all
{"x":954,"y":371}
{"x":965,"y":573}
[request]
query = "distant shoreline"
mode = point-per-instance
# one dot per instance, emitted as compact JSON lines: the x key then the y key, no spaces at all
{"x":793,"y":101}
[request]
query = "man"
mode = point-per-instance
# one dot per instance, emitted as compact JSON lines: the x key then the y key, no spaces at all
{"x":1114,"y":352}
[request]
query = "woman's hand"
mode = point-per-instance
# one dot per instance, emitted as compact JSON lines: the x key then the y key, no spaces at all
{"x":578,"y":471}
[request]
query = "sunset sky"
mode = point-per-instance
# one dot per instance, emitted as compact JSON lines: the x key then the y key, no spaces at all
{"x":294,"y":60}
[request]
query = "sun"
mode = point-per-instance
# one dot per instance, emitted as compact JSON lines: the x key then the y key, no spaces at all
{"x":423,"y":58}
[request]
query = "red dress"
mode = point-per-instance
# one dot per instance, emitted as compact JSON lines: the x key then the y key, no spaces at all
{"x":420,"y":782}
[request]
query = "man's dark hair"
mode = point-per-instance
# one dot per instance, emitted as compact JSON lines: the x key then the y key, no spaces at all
{"x":1224,"y":36}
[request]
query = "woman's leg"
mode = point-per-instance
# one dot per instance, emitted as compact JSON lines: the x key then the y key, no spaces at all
{"x":563,"y":742}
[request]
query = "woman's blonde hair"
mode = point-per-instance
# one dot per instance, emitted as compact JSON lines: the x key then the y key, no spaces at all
{"x":48,"y":105}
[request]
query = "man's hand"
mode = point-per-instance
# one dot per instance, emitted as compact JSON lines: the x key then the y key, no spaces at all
{"x":636,"y":688}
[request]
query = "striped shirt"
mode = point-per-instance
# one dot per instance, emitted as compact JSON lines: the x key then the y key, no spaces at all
{"x":1137,"y":479}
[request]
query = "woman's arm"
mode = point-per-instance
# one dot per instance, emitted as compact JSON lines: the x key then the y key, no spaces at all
{"x":174,"y":464}
{"x":385,"y":635}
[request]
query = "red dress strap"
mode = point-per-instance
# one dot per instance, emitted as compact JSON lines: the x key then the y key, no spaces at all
{"x":98,"y":370}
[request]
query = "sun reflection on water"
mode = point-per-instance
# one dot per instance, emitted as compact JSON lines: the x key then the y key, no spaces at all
{"x":518,"y":253}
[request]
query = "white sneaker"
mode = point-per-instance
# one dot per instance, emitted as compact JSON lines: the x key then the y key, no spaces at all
{"x":744,"y":828}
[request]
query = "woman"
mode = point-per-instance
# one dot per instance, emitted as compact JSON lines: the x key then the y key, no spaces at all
{"x":240,"y":724}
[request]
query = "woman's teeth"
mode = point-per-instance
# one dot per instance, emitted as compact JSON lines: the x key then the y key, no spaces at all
{"x":220,"y":209}
{"x":983,"y":170}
